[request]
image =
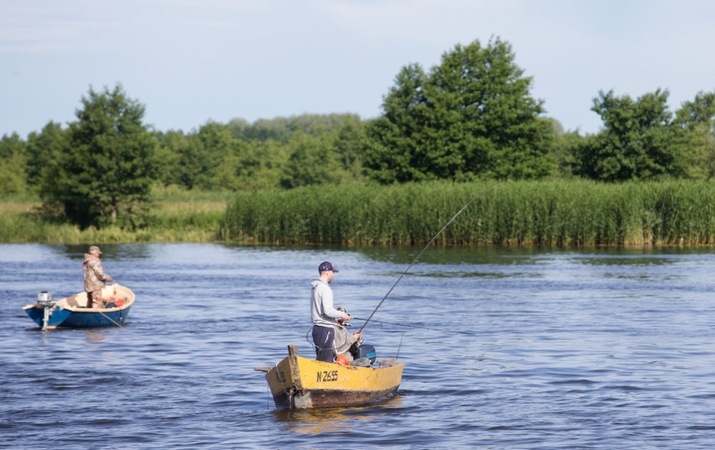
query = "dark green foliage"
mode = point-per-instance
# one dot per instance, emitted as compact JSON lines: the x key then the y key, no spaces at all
{"x":349,"y":145}
{"x":563,"y":151}
{"x":311,"y":162}
{"x":204,"y":154}
{"x":105,"y":172}
{"x":696,"y":120}
{"x":231,"y":157}
{"x":638,"y":141}
{"x":12,"y":164}
{"x":171,"y":145}
{"x":42,"y":148}
{"x":471,"y":116}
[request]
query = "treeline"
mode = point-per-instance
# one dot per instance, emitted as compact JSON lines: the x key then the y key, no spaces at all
{"x":470,"y":118}
{"x":279,"y":153}
{"x":283,"y":153}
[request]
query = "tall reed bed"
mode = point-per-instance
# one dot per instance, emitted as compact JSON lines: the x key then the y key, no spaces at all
{"x":547,"y":213}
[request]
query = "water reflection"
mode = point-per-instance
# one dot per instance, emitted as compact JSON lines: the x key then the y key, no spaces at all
{"x":93,"y":335}
{"x":333,"y":420}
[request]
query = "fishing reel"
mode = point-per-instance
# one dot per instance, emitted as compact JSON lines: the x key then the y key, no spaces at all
{"x":345,"y":323}
{"x":356,"y":345}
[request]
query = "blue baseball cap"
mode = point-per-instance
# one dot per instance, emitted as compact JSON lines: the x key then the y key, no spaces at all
{"x":327,"y":265}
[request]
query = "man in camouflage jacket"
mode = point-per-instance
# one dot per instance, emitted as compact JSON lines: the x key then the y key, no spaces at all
{"x":94,"y":277}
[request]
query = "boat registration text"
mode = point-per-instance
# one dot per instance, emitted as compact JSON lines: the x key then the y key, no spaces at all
{"x":327,"y":375}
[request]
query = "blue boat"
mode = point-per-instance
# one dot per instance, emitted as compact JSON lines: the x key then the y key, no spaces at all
{"x":72,"y":312}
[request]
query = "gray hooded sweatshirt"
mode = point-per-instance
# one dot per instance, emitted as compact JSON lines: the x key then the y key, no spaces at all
{"x":321,"y":305}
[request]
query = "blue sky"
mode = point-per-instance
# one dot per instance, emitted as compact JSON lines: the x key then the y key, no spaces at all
{"x":191,"y":61}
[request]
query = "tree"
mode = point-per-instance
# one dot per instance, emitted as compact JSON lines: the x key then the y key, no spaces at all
{"x":311,"y":161}
{"x":349,"y":146}
{"x":392,"y":150}
{"x":42,"y":148}
{"x":637,"y":142}
{"x":471,"y":116}
{"x":563,"y":149}
{"x":106,"y":171}
{"x":206,"y":156}
{"x":696,"y":120}
{"x":262,"y":165}
{"x":12,"y":164}
{"x":170,"y":148}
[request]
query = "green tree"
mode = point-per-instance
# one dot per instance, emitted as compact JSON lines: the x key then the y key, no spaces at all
{"x":637,"y":141}
{"x":471,"y":116}
{"x":393,"y":140}
{"x":170,"y":148}
{"x":563,"y":149}
{"x":311,"y":161}
{"x":349,"y":144}
{"x":105,"y":173}
{"x":261,"y":165}
{"x":201,"y":159}
{"x":12,"y":164}
{"x":696,"y":120}
{"x":42,"y":148}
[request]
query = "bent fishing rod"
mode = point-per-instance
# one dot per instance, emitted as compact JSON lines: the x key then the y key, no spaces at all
{"x":420,"y":254}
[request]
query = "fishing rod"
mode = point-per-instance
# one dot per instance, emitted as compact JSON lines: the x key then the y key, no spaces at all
{"x":420,"y":327}
{"x":420,"y":254}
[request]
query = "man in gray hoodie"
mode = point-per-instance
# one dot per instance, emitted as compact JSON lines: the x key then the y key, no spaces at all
{"x":324,"y":314}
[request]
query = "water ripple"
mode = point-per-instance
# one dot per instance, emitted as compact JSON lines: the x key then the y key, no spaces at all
{"x":503,"y":349}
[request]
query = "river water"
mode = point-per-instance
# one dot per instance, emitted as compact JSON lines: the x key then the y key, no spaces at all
{"x":503,"y":348}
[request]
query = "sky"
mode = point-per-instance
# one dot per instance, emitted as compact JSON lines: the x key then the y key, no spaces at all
{"x":194,"y":61}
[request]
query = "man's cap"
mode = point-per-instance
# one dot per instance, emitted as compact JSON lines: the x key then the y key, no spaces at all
{"x":94,"y":249}
{"x":327,"y":265}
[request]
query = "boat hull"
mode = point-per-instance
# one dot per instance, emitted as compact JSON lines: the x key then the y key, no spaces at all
{"x":302,"y":383}
{"x":71,"y":312}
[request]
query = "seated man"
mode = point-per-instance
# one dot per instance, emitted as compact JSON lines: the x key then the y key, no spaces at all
{"x":343,"y":339}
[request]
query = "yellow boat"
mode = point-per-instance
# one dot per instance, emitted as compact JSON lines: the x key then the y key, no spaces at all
{"x":301,"y":383}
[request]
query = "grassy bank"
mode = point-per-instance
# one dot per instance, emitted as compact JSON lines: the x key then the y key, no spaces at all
{"x":548,"y":213}
{"x":176,"y":216}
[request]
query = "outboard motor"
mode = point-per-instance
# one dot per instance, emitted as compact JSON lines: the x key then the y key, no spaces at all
{"x":45,"y":300}
{"x":367,"y":351}
{"x":360,"y":350}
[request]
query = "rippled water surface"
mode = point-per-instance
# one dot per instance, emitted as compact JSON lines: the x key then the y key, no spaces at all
{"x":502,"y":349}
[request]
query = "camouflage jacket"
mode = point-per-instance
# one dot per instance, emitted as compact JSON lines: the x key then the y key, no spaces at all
{"x":94,"y":276}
